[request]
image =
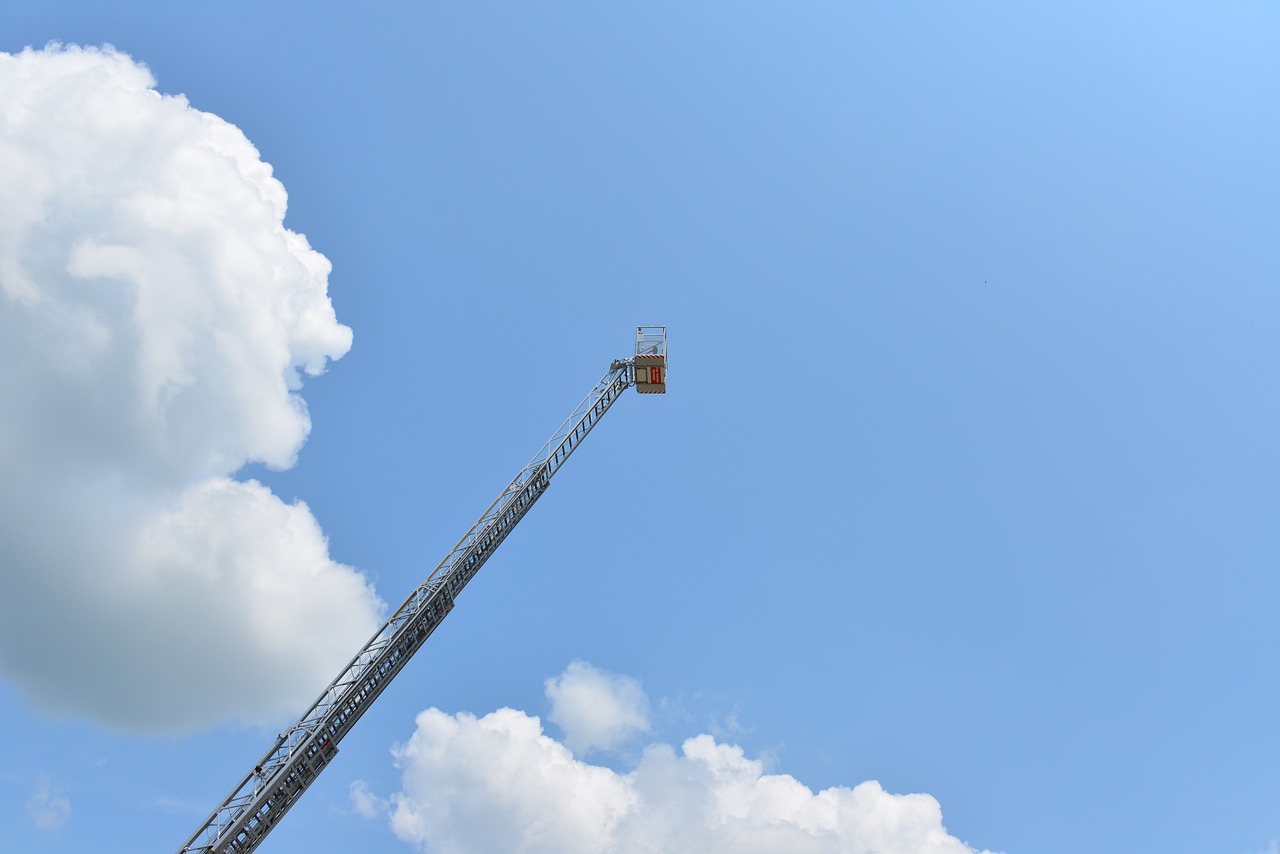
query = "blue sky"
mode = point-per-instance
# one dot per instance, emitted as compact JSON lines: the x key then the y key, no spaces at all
{"x":967,"y":479}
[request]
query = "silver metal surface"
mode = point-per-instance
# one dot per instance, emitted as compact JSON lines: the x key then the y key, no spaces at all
{"x":278,"y":779}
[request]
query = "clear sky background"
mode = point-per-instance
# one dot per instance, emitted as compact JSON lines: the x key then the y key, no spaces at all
{"x":967,"y":481}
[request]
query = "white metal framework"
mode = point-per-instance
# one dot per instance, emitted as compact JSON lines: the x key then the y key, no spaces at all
{"x":651,"y":360}
{"x":258,"y":802}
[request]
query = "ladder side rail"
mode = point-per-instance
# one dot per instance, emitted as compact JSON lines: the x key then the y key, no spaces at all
{"x":356,"y":690}
{"x":619,"y":378}
{"x":350,"y":693}
{"x":592,"y":413}
{"x":261,"y":813}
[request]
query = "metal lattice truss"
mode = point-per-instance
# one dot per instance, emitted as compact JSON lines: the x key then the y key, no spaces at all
{"x":262,"y":798}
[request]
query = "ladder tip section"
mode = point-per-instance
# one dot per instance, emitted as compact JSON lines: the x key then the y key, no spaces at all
{"x":263,"y":797}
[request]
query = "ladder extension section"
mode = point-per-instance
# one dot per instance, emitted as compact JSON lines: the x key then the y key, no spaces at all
{"x":257,"y":804}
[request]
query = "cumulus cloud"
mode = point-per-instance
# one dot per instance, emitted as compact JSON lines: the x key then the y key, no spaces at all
{"x":364,"y":801}
{"x":156,"y":322}
{"x":596,"y":709}
{"x":499,"y":783}
{"x":49,"y":808}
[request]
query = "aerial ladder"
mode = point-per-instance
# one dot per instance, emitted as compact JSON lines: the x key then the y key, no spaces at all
{"x":258,"y":802}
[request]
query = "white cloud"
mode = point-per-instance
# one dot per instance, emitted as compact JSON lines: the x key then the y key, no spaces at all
{"x":156,"y":320}
{"x":498,"y":783}
{"x":596,"y":709}
{"x":365,"y":802}
{"x":49,"y":808}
